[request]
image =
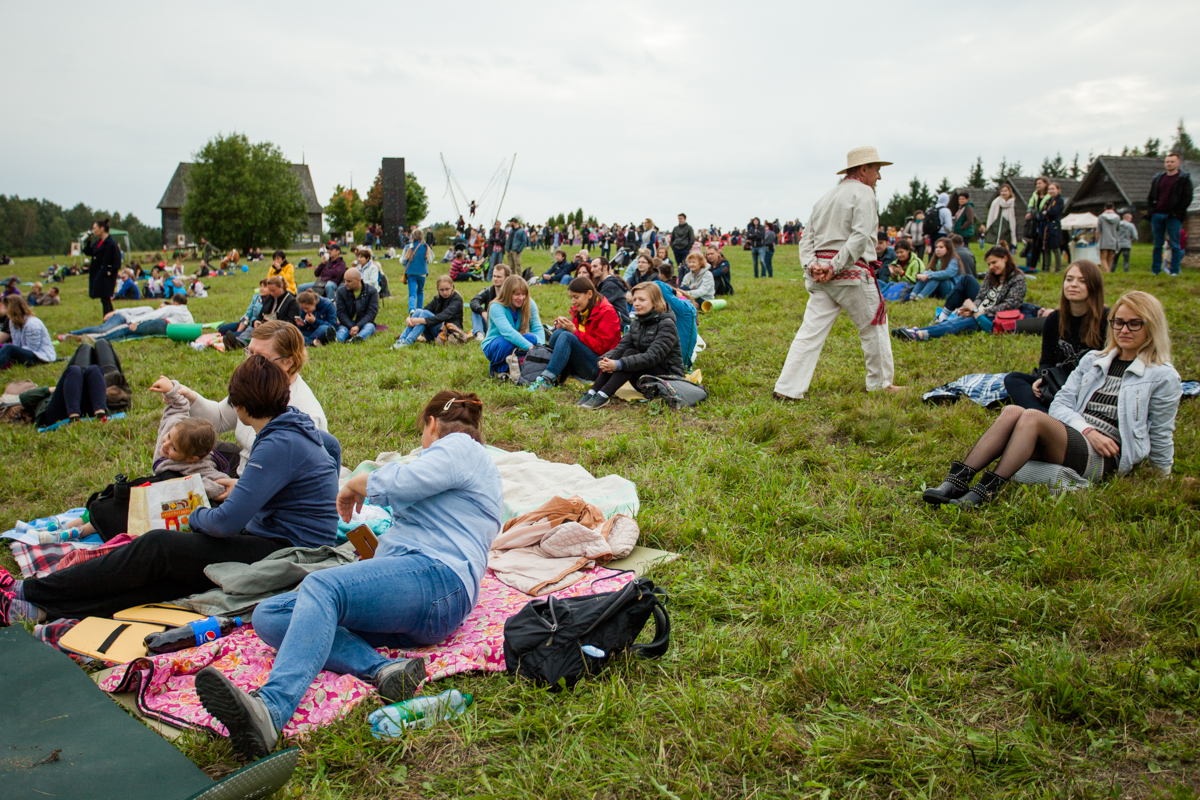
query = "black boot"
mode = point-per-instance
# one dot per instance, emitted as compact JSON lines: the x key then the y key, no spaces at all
{"x":957,"y":484}
{"x":985,"y":491}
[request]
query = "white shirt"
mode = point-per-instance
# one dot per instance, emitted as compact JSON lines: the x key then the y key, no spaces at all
{"x":846,"y":219}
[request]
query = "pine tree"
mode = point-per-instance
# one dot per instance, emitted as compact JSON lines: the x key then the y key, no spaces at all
{"x":975,"y":179}
{"x":1054,"y":168}
{"x":1153,"y":147}
{"x":1075,"y":171}
{"x":944,"y":186}
{"x":1183,"y":144}
{"x":1006,"y":171}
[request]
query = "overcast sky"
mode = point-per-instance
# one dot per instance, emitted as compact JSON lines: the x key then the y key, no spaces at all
{"x":626,"y":109}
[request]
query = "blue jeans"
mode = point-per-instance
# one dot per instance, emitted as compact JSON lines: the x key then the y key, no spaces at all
{"x":229,"y":327}
{"x":571,"y":356}
{"x":410,"y":334}
{"x":115,"y":321}
{"x":322,"y":331}
{"x":365,"y":332}
{"x":768,"y":263}
{"x":966,"y":286}
{"x":759,"y":254}
{"x":942,"y":287}
{"x":151,"y":327}
{"x":500,"y":348}
{"x":955,"y":324}
{"x":1165,"y":229}
{"x":338,"y":616}
{"x":416,"y":292}
{"x":478,"y":324}
{"x":10,"y":353}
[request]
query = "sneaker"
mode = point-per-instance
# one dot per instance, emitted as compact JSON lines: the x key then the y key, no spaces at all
{"x":7,"y":581}
{"x":399,"y":344}
{"x":478,"y":336}
{"x":400,"y":680}
{"x":586,"y":399}
{"x":232,"y":342}
{"x":357,"y":340}
{"x":245,"y":716}
{"x":6,"y":599}
{"x":598,"y":401}
{"x":541,"y":384}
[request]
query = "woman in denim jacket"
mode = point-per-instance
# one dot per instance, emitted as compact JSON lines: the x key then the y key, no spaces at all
{"x":1116,"y":410}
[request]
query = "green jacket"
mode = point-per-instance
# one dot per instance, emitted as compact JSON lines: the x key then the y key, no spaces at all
{"x":964,"y":224}
{"x":915,"y":266}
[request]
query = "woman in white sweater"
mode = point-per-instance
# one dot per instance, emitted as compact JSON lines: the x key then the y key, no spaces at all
{"x":31,"y":343}
{"x":282,"y":343}
{"x":1002,"y":219}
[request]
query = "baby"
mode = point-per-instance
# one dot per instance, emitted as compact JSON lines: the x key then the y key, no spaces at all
{"x":185,"y":443}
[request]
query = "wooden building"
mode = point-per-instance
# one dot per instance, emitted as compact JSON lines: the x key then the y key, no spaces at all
{"x":1124,"y":181}
{"x":171,"y":204}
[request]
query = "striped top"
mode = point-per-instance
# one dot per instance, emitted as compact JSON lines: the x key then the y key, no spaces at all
{"x":1101,"y":409}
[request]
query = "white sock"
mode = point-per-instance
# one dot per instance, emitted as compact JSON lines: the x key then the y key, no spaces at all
{"x":591,"y":391}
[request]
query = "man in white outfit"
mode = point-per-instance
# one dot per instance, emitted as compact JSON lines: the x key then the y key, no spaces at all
{"x":836,"y":252}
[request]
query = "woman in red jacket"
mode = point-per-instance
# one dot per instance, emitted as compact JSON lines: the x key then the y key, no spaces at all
{"x":593,"y":329}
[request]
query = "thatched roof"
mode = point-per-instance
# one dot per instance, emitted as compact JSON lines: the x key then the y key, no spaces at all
{"x":177,"y":189}
{"x":1123,"y":181}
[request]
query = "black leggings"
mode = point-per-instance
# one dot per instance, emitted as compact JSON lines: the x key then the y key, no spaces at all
{"x":106,"y":306}
{"x":156,"y":567}
{"x":609,"y":382}
{"x":1019,"y":386}
{"x":80,"y":392}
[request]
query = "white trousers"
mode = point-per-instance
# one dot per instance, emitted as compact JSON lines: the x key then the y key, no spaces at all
{"x":860,"y":300}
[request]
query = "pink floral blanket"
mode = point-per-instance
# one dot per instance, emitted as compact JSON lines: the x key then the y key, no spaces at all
{"x":166,"y":685}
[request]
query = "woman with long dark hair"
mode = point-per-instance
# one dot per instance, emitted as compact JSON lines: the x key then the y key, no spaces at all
{"x":1052,"y":214}
{"x":106,"y":263}
{"x":1078,"y":325}
{"x":1003,"y":289}
{"x":578,"y":341}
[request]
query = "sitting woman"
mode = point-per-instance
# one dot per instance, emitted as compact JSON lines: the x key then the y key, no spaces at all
{"x":280,"y":343}
{"x":642,"y":270}
{"x":1003,"y":289}
{"x":578,"y":342}
{"x":127,"y":288}
{"x":29,"y":341}
{"x":417,"y":589}
{"x":1116,"y":410}
{"x":513,"y":325}
{"x":446,"y":308}
{"x":649,"y":347}
{"x":949,"y":280}
{"x":286,"y":500}
{"x":721,"y":272}
{"x":697,"y":285}
{"x":904,"y":270}
{"x":1079,"y":324}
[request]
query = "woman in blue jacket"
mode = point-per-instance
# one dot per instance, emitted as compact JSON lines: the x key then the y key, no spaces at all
{"x":1116,"y":410}
{"x":513,"y":324}
{"x":285,"y":498}
{"x":945,"y":278}
{"x":418,"y":588}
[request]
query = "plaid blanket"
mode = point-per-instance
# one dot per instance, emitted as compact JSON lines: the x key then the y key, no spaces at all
{"x":985,"y":389}
{"x":39,"y":560}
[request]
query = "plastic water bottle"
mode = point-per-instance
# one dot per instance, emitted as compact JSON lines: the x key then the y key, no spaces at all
{"x":419,"y":712}
{"x":193,"y":634}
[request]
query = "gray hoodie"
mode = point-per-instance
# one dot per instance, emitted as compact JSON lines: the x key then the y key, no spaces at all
{"x":944,"y":216}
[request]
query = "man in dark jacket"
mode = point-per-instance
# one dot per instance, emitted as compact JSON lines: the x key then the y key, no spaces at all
{"x":560,"y":269}
{"x":755,"y":234}
{"x":106,"y":262}
{"x":333,"y":271}
{"x":481,"y":301}
{"x":1170,"y":195}
{"x":612,"y":287}
{"x":357,"y":305}
{"x":719,"y":266}
{"x":683,"y":236}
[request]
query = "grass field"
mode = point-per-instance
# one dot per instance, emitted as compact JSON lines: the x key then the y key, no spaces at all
{"x":833,"y":636}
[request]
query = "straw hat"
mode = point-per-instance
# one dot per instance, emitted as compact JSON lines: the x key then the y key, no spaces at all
{"x":860,"y":156}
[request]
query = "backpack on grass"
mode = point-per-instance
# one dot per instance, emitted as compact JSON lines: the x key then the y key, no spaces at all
{"x":557,"y":642}
{"x":675,"y":392}
{"x":536,"y":359}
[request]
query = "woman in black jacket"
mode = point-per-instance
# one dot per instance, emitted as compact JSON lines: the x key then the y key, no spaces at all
{"x":106,"y":261}
{"x":649,"y":347}
{"x":446,"y":308}
{"x":1078,"y":325}
{"x":1052,"y":228}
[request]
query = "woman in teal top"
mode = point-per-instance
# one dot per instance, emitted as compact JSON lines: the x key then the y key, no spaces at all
{"x":418,"y":588}
{"x":416,"y":267}
{"x":513,"y":324}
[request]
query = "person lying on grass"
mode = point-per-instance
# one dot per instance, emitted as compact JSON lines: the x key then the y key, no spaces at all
{"x":513,"y":326}
{"x":415,"y":591}
{"x":1078,"y":325}
{"x":1116,"y":410}
{"x":578,"y":341}
{"x":649,"y":347}
{"x":285,"y":498}
{"x":1003,"y":289}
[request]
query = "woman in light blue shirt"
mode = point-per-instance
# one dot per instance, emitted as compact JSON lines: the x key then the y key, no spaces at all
{"x":417,"y":589}
{"x":513,"y":324}
{"x":31,"y":343}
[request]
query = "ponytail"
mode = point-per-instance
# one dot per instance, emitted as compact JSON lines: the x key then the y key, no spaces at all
{"x":455,"y":412}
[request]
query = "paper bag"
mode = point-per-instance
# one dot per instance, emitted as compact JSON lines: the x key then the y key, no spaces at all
{"x":166,"y":505}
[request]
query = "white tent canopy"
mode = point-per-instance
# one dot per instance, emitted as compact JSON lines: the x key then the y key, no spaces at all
{"x":1084,"y":220}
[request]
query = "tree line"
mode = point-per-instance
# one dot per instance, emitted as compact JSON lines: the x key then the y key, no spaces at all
{"x":30,"y":227}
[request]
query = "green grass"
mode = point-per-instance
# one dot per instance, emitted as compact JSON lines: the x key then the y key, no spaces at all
{"x":833,"y":636}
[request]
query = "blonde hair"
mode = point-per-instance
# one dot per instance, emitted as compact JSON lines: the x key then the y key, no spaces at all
{"x":654,"y":294}
{"x":446,"y":279}
{"x":504,"y":297}
{"x":1157,"y":349}
{"x":287,"y":340}
{"x":17,"y":309}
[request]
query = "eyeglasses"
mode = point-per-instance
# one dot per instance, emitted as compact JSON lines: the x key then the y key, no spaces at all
{"x":1134,"y":325}
{"x":247,"y":354}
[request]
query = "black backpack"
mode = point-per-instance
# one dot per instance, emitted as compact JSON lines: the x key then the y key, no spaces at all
{"x":108,"y":509}
{"x":932,"y":224}
{"x":556,"y":642}
{"x":675,"y":392}
{"x":536,"y":359}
